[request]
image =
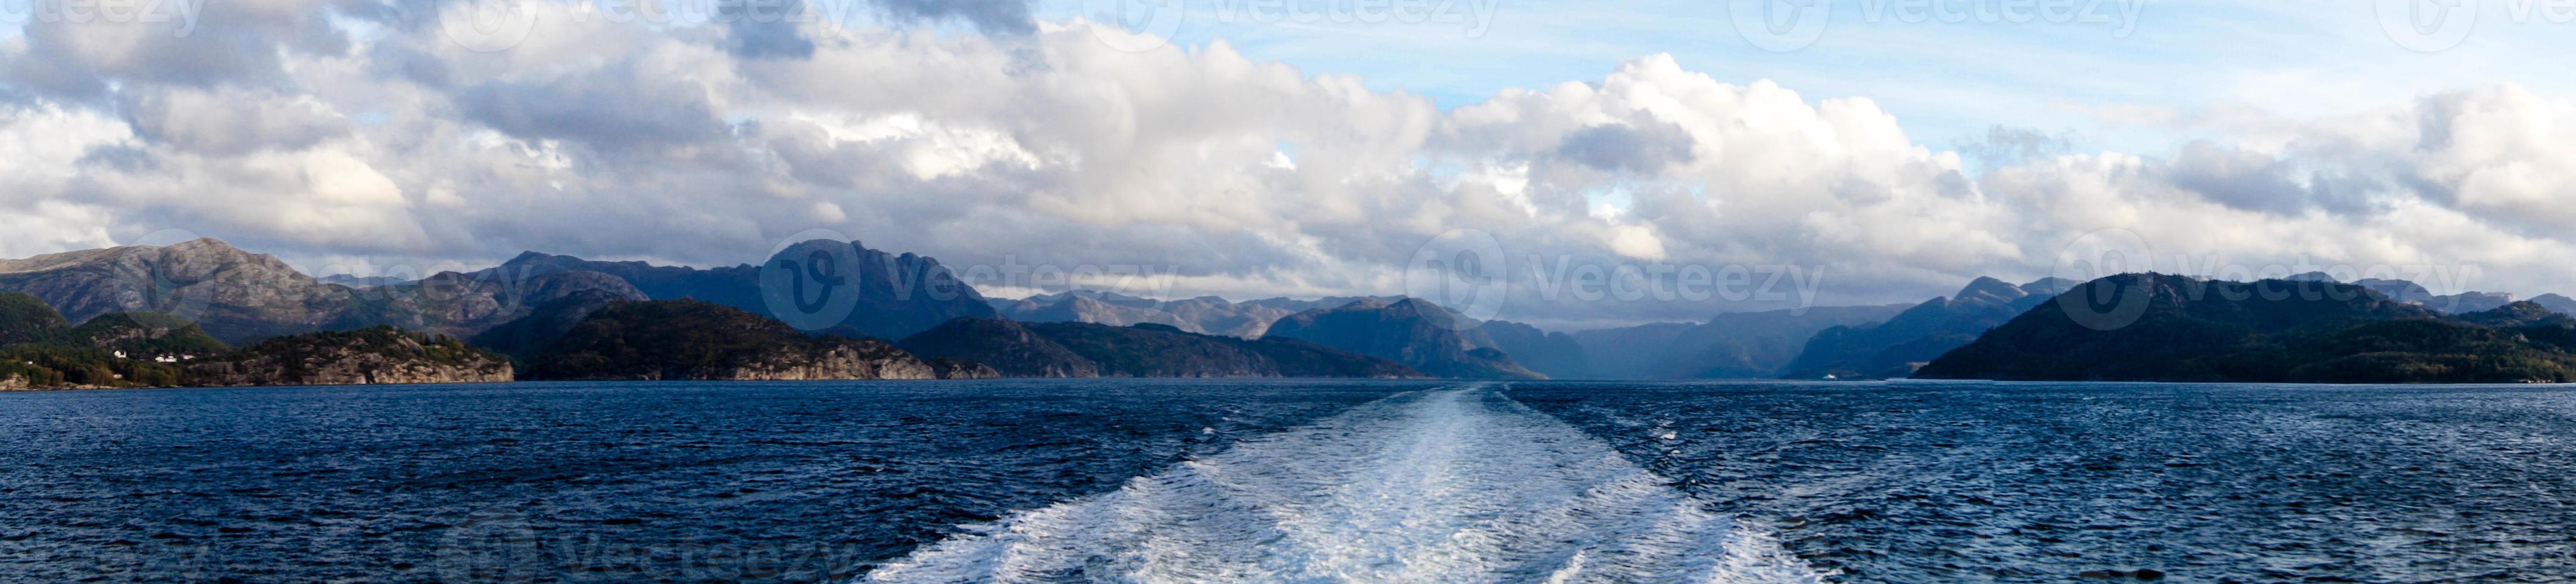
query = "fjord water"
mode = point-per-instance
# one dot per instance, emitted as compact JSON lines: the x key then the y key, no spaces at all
{"x":1293,"y":480}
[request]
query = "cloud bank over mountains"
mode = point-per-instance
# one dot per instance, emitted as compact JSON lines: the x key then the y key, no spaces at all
{"x":354,"y":129}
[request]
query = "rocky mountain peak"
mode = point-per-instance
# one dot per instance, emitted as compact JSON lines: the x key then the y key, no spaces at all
{"x":1988,"y":289}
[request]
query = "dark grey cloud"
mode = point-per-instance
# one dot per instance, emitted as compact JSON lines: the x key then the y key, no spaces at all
{"x":1009,"y":17}
{"x":1644,"y":147}
{"x":2241,"y":179}
{"x":407,"y":63}
{"x":609,"y":110}
{"x":120,"y":157}
{"x":765,"y":30}
{"x":225,"y":44}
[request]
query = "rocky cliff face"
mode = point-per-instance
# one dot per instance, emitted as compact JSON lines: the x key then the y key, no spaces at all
{"x":844,"y":359}
{"x":948,"y":368}
{"x":381,"y":355}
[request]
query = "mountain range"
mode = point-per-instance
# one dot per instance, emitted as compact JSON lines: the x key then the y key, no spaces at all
{"x":241,"y":297}
{"x":897,"y":294}
{"x":161,"y":299}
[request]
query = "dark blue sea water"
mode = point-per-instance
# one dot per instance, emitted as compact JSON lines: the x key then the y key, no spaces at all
{"x":1290,"y":480}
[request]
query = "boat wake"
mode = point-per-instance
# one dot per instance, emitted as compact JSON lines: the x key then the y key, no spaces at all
{"x":1453,"y":485}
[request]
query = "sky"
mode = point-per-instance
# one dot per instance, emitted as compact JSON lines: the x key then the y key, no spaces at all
{"x":1572,"y":164}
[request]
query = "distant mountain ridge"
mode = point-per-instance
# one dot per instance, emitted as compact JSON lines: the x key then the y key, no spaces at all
{"x":1415,"y":332}
{"x":1736,"y":345}
{"x":1909,"y":339}
{"x":2412,"y":293}
{"x":1204,"y":314}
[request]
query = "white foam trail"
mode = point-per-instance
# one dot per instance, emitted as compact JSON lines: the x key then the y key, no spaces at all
{"x":1458,"y":485}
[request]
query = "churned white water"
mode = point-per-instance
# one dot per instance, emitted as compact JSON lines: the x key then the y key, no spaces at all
{"x":1454,"y":485}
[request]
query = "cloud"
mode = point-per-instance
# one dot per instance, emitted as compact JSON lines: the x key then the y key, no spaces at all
{"x":1035,"y":144}
{"x":1006,"y":17}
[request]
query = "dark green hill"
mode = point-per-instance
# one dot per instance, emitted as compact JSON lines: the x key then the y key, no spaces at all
{"x":1077,"y":349}
{"x":688,"y":339}
{"x":1008,"y":346}
{"x":2269,"y":331}
{"x":145,"y":334}
{"x":44,"y":366}
{"x":25,"y":318}
{"x":524,"y":337}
